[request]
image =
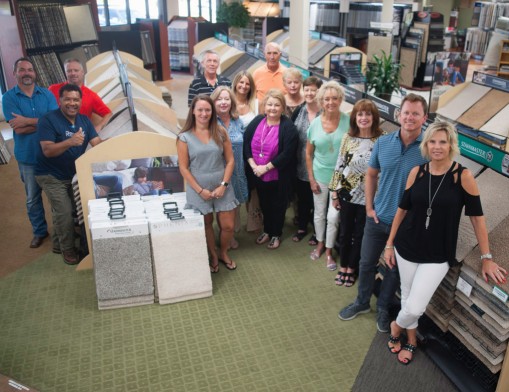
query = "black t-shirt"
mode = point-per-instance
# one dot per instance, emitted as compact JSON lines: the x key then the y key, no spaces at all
{"x":437,"y":243}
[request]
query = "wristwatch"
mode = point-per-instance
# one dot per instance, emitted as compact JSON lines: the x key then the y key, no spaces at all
{"x":486,"y":256}
{"x":225,"y":184}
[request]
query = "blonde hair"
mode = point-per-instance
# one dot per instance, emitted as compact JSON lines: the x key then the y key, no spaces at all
{"x":251,"y":95}
{"x":276,"y":94}
{"x":330,"y":85}
{"x":452,"y":137}
{"x":292,"y":73}
{"x":233,"y":108}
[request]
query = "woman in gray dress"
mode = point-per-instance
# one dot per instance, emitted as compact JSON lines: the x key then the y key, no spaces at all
{"x":206,"y":163}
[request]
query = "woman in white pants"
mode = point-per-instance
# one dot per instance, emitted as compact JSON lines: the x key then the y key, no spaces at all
{"x":322,"y":149}
{"x":424,"y":232}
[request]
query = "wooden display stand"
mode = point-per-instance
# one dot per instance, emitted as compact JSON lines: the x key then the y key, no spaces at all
{"x":134,"y":145}
{"x":503,"y":60}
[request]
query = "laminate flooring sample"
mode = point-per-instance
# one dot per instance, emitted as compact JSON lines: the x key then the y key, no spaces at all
{"x":463,"y":101}
{"x":499,"y":124}
{"x":484,"y":109}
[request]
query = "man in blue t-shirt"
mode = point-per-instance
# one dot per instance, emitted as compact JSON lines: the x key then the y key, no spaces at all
{"x":64,"y":135}
{"x":393,"y":157}
{"x":23,"y":105}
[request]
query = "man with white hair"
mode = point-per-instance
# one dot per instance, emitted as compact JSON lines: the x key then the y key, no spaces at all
{"x":269,"y":75}
{"x":207,"y":82}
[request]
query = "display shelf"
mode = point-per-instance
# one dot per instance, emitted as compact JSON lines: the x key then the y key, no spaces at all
{"x":503,"y":63}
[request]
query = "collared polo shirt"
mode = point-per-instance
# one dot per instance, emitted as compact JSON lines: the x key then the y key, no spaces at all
{"x":394,"y":161}
{"x":16,"y":101}
{"x":201,"y":86}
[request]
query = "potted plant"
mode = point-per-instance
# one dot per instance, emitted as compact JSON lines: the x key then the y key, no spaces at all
{"x":383,"y":75}
{"x":235,"y":14}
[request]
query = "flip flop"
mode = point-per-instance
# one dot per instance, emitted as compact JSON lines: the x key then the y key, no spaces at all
{"x":229,"y":266}
{"x":214,"y":269}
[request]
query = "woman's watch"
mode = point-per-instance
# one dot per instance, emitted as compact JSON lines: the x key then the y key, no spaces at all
{"x":225,"y":184}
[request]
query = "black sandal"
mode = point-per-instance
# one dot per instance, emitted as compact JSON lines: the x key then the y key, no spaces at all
{"x":393,"y":340}
{"x":410,"y":348}
{"x":349,"y":279}
{"x":297,"y":237}
{"x":313,"y":241}
{"x":340,"y":278}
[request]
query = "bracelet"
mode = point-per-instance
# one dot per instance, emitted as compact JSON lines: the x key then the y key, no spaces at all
{"x":267,"y":167}
{"x":200,"y":191}
{"x":486,"y":256}
{"x":389,"y":246}
{"x":335,"y":198}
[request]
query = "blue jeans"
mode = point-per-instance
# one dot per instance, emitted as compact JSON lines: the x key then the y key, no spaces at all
{"x":373,"y":243}
{"x":35,"y":208}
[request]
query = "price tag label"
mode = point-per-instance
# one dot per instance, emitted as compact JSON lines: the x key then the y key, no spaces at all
{"x":500,"y":294}
{"x":464,"y":286}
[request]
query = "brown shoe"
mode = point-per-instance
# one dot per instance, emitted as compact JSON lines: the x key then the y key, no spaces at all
{"x":37,"y":241}
{"x":70,"y":257}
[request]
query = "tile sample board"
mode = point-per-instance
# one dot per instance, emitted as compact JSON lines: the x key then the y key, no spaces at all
{"x":499,"y":124}
{"x":463,"y":101}
{"x":484,"y":109}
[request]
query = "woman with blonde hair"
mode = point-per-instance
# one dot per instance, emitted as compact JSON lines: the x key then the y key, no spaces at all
{"x":292,"y":80}
{"x":324,"y":138}
{"x":206,"y":162}
{"x":270,"y":144}
{"x":226,"y":108}
{"x":244,"y":90}
{"x":424,"y":232}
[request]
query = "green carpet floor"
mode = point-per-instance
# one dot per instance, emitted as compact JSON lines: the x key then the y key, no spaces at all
{"x":271,"y":325}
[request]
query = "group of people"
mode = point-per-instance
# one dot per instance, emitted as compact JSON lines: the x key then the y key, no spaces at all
{"x":365,"y":192}
{"x":51,"y":129}
{"x":268,"y":140}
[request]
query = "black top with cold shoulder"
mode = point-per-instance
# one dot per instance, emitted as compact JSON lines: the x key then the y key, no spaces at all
{"x":437,"y":243}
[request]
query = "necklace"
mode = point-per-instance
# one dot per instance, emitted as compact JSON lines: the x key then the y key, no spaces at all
{"x":264,"y":138}
{"x":430,"y":199}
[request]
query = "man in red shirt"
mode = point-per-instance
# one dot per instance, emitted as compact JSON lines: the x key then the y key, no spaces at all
{"x":91,"y":102}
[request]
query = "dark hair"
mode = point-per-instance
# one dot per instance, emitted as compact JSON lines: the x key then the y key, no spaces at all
{"x":312,"y":81}
{"x":415,"y":98}
{"x":140,"y":172}
{"x":69,"y":87}
{"x":217,"y":132}
{"x":365,"y":105}
{"x":23,"y":59}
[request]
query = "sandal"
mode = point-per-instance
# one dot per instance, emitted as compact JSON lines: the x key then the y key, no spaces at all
{"x":331,"y":264}
{"x":313,"y":241}
{"x":297,"y":237}
{"x":316,"y":254}
{"x":214,"y":269}
{"x":411,"y":349}
{"x":349,"y":279}
{"x":229,"y":266}
{"x":262,"y":238}
{"x":340,"y":278}
{"x":274,"y":243}
{"x":393,"y":340}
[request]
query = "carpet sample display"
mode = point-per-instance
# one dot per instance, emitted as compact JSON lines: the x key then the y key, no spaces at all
{"x":408,"y":58}
{"x":122,"y":263}
{"x":462,"y":102}
{"x":495,"y":201}
{"x":499,"y":124}
{"x":484,"y":109}
{"x":181,"y":265}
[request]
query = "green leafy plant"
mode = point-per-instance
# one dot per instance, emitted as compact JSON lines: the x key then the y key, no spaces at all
{"x":235,"y":14}
{"x":383,"y":76}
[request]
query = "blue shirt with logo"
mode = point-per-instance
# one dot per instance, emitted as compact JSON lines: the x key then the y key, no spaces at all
{"x":394,"y":161}
{"x":15,"y":101}
{"x":55,"y":127}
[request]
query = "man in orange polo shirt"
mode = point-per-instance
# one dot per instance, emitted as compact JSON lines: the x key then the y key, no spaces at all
{"x":91,"y":102}
{"x":269,"y":75}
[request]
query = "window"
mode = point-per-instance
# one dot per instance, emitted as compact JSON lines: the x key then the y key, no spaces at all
{"x":203,"y":8}
{"x":119,"y":12}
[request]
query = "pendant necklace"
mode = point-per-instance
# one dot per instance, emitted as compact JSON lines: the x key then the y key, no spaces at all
{"x":430,"y":199}
{"x":263,"y":139}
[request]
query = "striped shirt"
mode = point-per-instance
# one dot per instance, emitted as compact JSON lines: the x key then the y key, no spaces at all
{"x":394,"y":161}
{"x":201,"y":86}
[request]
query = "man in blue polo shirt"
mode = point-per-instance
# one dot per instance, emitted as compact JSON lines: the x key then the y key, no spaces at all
{"x":392,"y":159}
{"x":23,"y":105}
{"x":64,"y":135}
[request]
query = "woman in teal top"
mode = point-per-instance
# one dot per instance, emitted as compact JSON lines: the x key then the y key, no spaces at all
{"x":322,"y":149}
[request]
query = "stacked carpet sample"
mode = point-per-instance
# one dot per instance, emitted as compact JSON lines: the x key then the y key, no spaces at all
{"x":473,"y":310}
{"x":141,"y":243}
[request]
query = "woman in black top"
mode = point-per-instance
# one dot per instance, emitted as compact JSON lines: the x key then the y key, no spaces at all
{"x":424,"y":232}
